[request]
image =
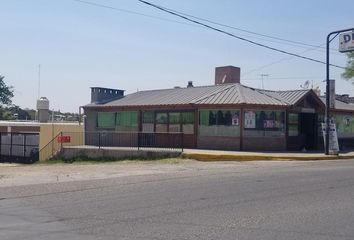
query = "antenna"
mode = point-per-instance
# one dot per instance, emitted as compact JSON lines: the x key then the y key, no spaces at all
{"x":306,"y":85}
{"x":262,"y":76}
{"x":39,"y":81}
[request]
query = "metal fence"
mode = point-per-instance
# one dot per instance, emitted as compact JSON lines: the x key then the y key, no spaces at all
{"x":105,"y":139}
{"x":19,"y":147}
{"x":138,"y":140}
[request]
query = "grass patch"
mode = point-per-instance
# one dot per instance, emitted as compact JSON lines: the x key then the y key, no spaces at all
{"x":88,"y":160}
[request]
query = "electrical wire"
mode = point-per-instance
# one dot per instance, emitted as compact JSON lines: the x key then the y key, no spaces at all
{"x":276,"y":39}
{"x":276,"y":62}
{"x":172,"y":12}
{"x":129,"y":11}
{"x":281,"y":78}
{"x":251,"y":32}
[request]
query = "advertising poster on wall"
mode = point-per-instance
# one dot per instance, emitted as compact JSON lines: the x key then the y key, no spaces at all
{"x":333,"y":138}
{"x":345,"y":125}
{"x":250,"y":119}
{"x":235,"y":120}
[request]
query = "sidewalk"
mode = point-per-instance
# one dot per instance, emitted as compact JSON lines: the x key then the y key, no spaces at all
{"x":215,"y":155}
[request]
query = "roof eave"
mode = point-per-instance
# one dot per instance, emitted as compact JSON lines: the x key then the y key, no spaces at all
{"x":310,"y":92}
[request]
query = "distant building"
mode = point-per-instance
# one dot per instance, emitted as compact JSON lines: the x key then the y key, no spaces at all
{"x":345,"y":98}
{"x":31,"y":113}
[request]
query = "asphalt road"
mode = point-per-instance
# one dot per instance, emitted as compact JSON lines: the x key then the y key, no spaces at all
{"x":252,"y":200}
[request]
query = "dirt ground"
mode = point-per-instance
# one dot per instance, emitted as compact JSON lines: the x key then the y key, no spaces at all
{"x":17,"y":174}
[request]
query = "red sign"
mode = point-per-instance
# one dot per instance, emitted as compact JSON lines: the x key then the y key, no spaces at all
{"x":64,"y":139}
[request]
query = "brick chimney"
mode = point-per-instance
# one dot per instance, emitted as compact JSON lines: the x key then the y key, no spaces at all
{"x":227,"y":74}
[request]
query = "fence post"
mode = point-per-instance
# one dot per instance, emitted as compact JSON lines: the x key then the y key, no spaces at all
{"x":24,"y":144}
{"x":138,"y":141}
{"x":11,"y":144}
{"x":182,"y":141}
{"x":61,"y":142}
{"x":99,"y":140}
{"x":0,"y":144}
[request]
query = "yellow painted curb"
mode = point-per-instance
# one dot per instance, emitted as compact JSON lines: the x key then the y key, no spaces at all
{"x":222,"y":157}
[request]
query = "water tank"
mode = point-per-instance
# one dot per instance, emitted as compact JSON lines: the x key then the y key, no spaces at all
{"x":43,"y":109}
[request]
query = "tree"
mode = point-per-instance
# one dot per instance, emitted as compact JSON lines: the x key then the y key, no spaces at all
{"x":349,"y":69}
{"x":19,"y":113}
{"x":6,"y":92}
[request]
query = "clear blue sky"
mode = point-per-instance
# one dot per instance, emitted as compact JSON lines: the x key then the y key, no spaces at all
{"x":80,"y":46}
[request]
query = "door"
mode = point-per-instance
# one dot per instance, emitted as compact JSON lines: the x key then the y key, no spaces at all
{"x":308,"y":130}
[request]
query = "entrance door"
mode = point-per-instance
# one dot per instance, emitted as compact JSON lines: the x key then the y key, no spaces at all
{"x":308,"y":129}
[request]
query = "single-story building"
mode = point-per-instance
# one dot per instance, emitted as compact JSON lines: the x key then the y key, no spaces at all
{"x":226,"y":115}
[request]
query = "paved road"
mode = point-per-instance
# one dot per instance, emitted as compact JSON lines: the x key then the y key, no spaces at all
{"x":254,"y":200}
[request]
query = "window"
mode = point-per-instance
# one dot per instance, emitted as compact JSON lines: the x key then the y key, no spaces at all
{"x":148,"y":122}
{"x":293,"y":125}
{"x":168,"y":122}
{"x":161,"y":122}
{"x":106,"y":120}
{"x":127,"y":121}
{"x":174,"y":122}
{"x":219,"y":123}
{"x":188,"y":122}
{"x":264,"y":123}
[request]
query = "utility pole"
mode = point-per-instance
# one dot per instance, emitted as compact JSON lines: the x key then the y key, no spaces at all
{"x":39,"y":81}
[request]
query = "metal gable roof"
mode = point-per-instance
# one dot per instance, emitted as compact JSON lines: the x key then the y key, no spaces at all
{"x":174,"y":96}
{"x":239,"y":94}
{"x":291,"y":97}
{"x":214,"y":94}
{"x":339,"y":105}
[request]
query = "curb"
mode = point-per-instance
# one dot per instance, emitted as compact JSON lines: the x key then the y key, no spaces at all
{"x":218,"y":157}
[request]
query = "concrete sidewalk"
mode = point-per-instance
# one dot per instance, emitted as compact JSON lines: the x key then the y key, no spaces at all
{"x":215,"y":155}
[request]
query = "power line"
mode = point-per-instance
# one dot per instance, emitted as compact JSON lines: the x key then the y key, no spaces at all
{"x":282,"y":78}
{"x":129,"y":11}
{"x":278,"y":61}
{"x":233,"y":35}
{"x":280,"y":40}
{"x":251,"y":32}
{"x":284,"y":41}
{"x":203,"y":25}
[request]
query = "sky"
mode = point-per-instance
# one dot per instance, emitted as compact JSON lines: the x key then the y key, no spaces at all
{"x":134,"y":47}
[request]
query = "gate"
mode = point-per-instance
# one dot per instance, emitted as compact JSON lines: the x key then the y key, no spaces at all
{"x":19,"y":147}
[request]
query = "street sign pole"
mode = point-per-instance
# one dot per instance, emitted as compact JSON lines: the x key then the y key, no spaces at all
{"x":327,"y":84}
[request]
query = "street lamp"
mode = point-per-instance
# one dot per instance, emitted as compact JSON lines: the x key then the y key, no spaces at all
{"x":329,"y":39}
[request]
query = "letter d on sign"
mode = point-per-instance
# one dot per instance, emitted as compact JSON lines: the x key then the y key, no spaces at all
{"x":346,"y":38}
{"x":346,"y":42}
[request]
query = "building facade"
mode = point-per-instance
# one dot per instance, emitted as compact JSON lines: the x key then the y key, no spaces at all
{"x":225,"y":116}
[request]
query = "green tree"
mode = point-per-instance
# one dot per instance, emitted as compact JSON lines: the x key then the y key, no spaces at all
{"x":349,"y":69}
{"x":6,"y":92}
{"x":18,"y":113}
